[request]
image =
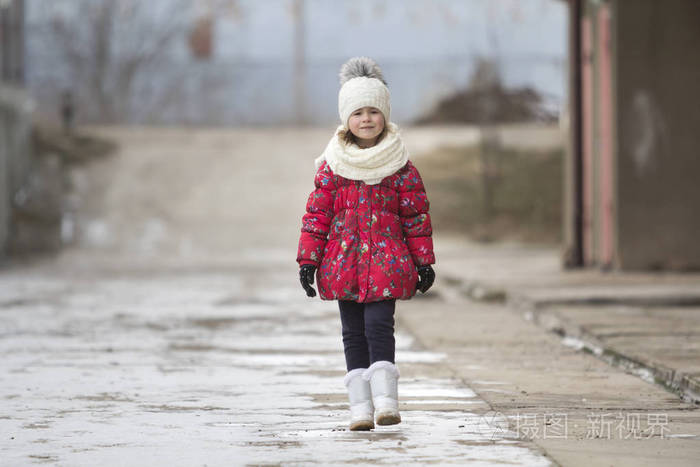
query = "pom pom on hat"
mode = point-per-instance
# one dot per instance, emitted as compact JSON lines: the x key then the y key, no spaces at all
{"x":362,"y":85}
{"x":360,"y":66}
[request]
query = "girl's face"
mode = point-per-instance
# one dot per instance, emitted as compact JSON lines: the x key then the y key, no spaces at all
{"x":366,"y":124}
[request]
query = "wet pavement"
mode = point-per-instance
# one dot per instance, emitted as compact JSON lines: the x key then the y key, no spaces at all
{"x":204,"y":369}
{"x":175,"y":332}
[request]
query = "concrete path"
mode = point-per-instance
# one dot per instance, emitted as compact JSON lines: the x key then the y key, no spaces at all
{"x":175,"y":332}
{"x":646,"y":323}
{"x":617,"y":412}
{"x":661,"y":344}
{"x":221,"y":368}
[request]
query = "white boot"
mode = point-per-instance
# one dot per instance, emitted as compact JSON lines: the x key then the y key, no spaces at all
{"x":361,"y":408}
{"x":383,"y":379}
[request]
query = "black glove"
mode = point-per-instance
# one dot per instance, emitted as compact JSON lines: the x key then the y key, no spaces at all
{"x":426,"y":277}
{"x":306,"y":276}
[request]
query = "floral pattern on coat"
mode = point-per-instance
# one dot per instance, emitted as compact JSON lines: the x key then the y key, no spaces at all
{"x":367,"y":240}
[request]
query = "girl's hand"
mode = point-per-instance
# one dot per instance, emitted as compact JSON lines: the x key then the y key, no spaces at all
{"x":426,"y":277}
{"x":306,"y":277}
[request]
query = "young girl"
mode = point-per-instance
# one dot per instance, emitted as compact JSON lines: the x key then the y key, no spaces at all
{"x":367,"y":231}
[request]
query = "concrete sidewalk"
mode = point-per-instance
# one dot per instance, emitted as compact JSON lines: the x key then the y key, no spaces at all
{"x":659,"y":343}
{"x":154,"y":340}
{"x":647,"y":323}
{"x":110,"y":363}
{"x":595,"y":407}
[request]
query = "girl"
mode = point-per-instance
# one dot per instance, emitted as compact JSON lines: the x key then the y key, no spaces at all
{"x":367,"y":231}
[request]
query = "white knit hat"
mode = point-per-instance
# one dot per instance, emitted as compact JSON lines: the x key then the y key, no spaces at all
{"x":362,"y":85}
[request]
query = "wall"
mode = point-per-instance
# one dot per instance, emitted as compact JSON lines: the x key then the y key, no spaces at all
{"x":15,"y":151}
{"x":658,"y":134}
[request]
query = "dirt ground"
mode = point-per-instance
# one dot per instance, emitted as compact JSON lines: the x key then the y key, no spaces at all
{"x":496,"y":195}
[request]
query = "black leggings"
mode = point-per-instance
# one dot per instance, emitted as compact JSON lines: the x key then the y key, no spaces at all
{"x":368,"y":332}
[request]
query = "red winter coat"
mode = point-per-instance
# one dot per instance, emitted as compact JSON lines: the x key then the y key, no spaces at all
{"x":367,"y":239}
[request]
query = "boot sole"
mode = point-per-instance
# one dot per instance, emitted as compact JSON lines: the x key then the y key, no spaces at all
{"x":388,"y":419}
{"x":361,"y":426}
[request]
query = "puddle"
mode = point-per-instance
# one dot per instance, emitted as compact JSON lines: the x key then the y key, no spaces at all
{"x":434,"y":388}
{"x":105,"y":396}
{"x":441,"y":401}
{"x":243,"y":301}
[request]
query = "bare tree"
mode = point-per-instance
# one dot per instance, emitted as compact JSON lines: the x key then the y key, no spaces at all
{"x":110,"y":47}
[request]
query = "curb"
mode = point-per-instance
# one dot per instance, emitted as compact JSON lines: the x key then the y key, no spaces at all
{"x":685,"y":385}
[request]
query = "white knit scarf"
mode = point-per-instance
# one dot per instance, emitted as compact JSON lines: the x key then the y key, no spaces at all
{"x":370,"y":165}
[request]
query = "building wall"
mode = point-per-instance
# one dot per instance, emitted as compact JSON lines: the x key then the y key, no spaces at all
{"x":12,"y":41}
{"x":15,"y":113}
{"x":597,"y":129}
{"x":658,"y":133}
{"x":15,"y":152}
